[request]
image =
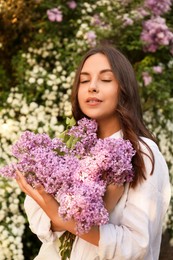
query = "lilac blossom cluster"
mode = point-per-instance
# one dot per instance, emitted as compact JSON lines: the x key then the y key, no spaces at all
{"x":56,"y":15}
{"x":75,"y":169}
{"x":155,"y":34}
{"x":158,"y":7}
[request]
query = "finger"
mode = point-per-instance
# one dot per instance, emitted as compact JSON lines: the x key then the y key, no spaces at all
{"x":20,"y":180}
{"x":41,"y":191}
{"x":38,"y":193}
{"x":25,"y":187}
{"x":40,"y":188}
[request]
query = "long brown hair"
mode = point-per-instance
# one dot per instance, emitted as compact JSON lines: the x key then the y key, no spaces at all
{"x":128,"y":108}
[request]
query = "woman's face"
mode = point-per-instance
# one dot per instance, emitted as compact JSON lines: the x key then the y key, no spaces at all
{"x":98,"y":89}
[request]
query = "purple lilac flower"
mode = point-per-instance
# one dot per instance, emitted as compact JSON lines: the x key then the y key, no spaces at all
{"x":158,"y":7}
{"x":86,"y":132}
{"x":158,"y":69}
{"x":91,"y":38}
{"x":96,"y":20}
{"x":127,"y":20}
{"x":155,"y":34}
{"x":146,"y":78}
{"x":114,"y":157}
{"x":55,"y":15}
{"x":84,"y":203}
{"x":77,"y":179}
{"x":72,"y":4}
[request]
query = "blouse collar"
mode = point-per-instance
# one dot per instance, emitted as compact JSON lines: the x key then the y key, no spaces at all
{"x":118,"y":134}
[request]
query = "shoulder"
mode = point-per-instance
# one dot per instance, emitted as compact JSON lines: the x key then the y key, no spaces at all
{"x":152,"y":145}
{"x":146,"y":143}
{"x":160,"y":176}
{"x":150,"y":149}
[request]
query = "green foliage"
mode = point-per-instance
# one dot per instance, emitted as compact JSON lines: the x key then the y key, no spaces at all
{"x":66,"y":243}
{"x":4,"y":83}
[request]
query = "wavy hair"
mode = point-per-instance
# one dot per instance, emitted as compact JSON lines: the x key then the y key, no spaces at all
{"x":128,"y":108}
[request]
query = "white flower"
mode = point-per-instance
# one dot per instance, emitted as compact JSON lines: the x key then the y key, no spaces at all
{"x":61,"y":128}
{"x":2,"y":215}
{"x":31,"y":80}
{"x":63,"y":78}
{"x":50,"y":46}
{"x":66,"y":85}
{"x":36,"y":69}
{"x":45,"y":54}
{"x":4,"y":128}
{"x":30,"y":49}
{"x":52,"y":76}
{"x":13,"y":208}
{"x":58,"y":81}
{"x":54,"y":87}
{"x":49,"y":82}
{"x":83,"y":11}
{"x":79,"y":34}
{"x":9,"y":99}
{"x":49,"y":103}
{"x":24,"y":110}
{"x":12,"y":113}
{"x":33,"y":106}
{"x":4,"y":235}
{"x":40,"y":81}
{"x":64,"y":72}
{"x":59,"y":68}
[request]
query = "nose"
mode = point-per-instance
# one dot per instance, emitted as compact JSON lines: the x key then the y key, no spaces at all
{"x":93,"y":87}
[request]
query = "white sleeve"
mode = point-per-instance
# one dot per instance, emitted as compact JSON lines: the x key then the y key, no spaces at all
{"x":39,"y":222}
{"x":138,"y":234}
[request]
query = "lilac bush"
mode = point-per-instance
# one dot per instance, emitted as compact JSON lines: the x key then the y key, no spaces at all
{"x":55,"y":15}
{"x":72,"y":4}
{"x":158,"y":7}
{"x":155,"y":34}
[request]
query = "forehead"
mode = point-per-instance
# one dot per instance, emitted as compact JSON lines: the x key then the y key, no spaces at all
{"x":97,"y":62}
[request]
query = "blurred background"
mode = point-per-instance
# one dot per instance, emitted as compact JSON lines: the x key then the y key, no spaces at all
{"x":41,"y":43}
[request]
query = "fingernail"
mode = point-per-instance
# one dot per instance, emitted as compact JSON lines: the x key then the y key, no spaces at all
{"x":17,"y":176}
{"x":38,"y":186}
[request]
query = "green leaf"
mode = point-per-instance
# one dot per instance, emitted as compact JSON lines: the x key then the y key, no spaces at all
{"x":70,"y":121}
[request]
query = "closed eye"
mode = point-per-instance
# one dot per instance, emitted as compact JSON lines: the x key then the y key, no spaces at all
{"x":106,"y":80}
{"x":84,"y":81}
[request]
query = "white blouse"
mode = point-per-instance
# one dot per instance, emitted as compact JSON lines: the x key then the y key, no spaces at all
{"x":135,"y":227}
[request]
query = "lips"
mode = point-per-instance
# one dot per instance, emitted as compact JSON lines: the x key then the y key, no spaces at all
{"x":93,"y":100}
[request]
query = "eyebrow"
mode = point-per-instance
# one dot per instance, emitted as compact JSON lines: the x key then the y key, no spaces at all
{"x":101,"y":72}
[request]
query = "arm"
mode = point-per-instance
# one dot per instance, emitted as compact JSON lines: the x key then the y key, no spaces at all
{"x":50,"y":207}
{"x":112,"y":196}
{"x":39,"y":222}
{"x":136,"y":234}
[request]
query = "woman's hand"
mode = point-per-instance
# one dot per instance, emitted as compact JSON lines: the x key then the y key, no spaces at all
{"x":112,"y":195}
{"x":50,"y":206}
{"x":38,"y":193}
{"x":43,"y":199}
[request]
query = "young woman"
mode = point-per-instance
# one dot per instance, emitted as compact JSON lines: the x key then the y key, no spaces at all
{"x":105,"y":89}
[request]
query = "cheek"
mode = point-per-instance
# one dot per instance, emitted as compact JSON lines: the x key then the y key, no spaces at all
{"x":112,"y":93}
{"x":81,"y":94}
{"x":80,"y":97}
{"x":114,"y":97}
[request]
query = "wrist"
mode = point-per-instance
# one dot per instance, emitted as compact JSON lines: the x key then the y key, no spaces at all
{"x":56,"y":228}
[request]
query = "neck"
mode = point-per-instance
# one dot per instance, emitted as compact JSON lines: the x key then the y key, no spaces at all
{"x":108,"y":128}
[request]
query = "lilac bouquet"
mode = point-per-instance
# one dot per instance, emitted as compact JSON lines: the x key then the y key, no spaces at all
{"x":75,"y":168}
